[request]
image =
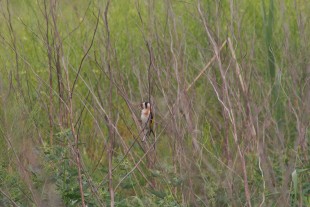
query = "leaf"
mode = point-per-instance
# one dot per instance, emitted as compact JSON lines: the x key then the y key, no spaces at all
{"x":302,"y":170}
{"x":176,"y":181}
{"x":128,"y":184}
{"x":155,"y":173}
{"x":138,"y":201}
{"x":160,"y":194}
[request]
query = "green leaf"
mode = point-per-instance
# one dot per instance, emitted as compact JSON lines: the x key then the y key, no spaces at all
{"x":295,"y":174}
{"x":295,"y":182}
{"x":155,"y":173}
{"x":160,"y":194}
{"x":302,"y":170}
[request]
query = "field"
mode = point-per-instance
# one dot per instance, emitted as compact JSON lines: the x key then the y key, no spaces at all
{"x":229,"y":87}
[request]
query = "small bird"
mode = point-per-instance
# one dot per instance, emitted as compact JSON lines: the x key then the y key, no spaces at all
{"x":147,"y":119}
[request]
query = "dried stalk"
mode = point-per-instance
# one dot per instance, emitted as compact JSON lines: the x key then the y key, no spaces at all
{"x":50,"y":70}
{"x":205,"y":68}
{"x":137,"y":164}
{"x":229,"y":107}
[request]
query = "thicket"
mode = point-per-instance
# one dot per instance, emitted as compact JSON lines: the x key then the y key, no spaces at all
{"x":229,"y":85}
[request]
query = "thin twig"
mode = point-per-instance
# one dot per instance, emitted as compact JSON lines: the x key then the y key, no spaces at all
{"x":205,"y":68}
{"x":8,"y":197}
{"x":86,"y":53}
{"x":137,"y":164}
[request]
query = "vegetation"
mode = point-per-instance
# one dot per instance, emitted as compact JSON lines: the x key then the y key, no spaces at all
{"x":228,"y":82}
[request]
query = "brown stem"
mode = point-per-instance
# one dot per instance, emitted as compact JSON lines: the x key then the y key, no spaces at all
{"x":49,"y":54}
{"x":76,"y":141}
{"x":228,"y":108}
{"x":109,"y":121}
{"x":13,"y":38}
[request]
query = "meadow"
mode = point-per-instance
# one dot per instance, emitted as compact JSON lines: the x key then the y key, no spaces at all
{"x":229,"y":84}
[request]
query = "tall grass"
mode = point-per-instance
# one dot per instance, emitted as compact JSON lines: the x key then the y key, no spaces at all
{"x":229,"y":84}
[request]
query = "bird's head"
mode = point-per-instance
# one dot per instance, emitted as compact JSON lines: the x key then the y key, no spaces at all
{"x":145,"y":105}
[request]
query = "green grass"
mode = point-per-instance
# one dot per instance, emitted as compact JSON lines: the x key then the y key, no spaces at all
{"x":197,"y":161}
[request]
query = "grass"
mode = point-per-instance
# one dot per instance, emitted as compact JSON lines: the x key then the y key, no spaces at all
{"x":203,"y":134}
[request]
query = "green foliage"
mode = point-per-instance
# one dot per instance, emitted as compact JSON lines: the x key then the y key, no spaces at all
{"x":197,"y":157}
{"x":64,"y":173}
{"x":12,"y":185}
{"x":301,"y":186}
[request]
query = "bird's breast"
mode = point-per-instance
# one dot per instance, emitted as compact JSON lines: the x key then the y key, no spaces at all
{"x":144,"y":116}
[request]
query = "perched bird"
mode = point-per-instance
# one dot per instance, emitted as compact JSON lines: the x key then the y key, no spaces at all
{"x":147,"y":119}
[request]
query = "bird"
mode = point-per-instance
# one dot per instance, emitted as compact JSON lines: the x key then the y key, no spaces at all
{"x":147,"y":119}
